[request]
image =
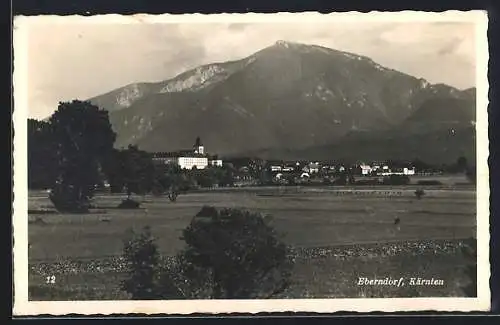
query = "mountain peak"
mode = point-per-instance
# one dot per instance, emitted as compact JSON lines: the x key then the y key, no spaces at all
{"x":288,"y":95}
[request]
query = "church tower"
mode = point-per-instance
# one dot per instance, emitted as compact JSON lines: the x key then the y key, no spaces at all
{"x":198,"y":147}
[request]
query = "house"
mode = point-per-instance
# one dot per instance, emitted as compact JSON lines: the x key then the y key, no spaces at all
{"x":409,"y":171}
{"x":215,"y":162}
{"x":365,"y":169}
{"x":184,"y":159}
{"x":384,"y":171}
{"x":402,"y":171}
{"x":275,"y":168}
{"x":164,"y":158}
{"x":313,"y":168}
{"x":188,"y":159}
{"x":191,"y":161}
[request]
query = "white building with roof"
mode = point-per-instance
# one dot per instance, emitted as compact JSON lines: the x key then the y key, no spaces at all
{"x":189,"y":159}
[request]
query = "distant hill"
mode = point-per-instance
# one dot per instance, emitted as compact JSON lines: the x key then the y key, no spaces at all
{"x":436,"y":147}
{"x":294,"y":99}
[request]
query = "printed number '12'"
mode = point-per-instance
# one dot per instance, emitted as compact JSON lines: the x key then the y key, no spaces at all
{"x":51,"y":279}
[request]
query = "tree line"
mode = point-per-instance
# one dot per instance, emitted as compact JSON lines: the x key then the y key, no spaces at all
{"x":72,"y":154}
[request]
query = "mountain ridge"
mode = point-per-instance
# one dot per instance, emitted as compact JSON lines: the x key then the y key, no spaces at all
{"x":287,"y":95}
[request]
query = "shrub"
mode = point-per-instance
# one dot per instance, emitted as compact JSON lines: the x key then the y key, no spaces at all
{"x":233,"y":253}
{"x":67,"y":199}
{"x":146,"y":275}
{"x":129,"y":204}
{"x":419,"y":193}
{"x":173,"y":194}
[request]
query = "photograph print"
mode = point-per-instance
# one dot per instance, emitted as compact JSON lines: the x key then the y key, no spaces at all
{"x":314,"y":161}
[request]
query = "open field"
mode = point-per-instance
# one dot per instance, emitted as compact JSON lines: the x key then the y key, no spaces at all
{"x":321,"y":272}
{"x":309,"y":218}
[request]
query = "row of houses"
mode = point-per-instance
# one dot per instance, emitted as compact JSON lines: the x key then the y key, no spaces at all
{"x":308,"y":168}
{"x":385,"y":170}
{"x":311,"y":168}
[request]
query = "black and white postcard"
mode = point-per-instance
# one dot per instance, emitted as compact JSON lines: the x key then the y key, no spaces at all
{"x":251,"y":163}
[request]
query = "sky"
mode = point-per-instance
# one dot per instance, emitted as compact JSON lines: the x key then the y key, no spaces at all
{"x":80,"y":61}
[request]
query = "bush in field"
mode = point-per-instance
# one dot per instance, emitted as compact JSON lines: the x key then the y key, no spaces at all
{"x":234,"y":254}
{"x":419,"y":193}
{"x":65,"y":198}
{"x":146,"y":276}
{"x":129,"y":204}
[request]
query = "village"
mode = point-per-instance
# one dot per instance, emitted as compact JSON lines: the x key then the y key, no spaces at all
{"x":255,"y":171}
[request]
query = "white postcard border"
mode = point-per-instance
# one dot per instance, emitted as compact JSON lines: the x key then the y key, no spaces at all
{"x":20,"y":251}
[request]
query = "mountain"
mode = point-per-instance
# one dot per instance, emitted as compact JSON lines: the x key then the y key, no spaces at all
{"x":436,"y":147}
{"x":288,"y":97}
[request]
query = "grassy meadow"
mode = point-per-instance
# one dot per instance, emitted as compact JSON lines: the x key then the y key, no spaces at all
{"x":340,"y":234}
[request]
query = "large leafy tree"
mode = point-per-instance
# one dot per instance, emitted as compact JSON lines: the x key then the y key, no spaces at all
{"x":42,"y":166}
{"x":83,"y":137}
{"x":113,"y":171}
{"x":130,"y":170}
{"x":173,"y":180}
{"x":235,"y":254}
{"x":137,"y":169}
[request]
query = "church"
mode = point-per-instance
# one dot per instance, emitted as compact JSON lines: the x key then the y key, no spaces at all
{"x":189,"y":159}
